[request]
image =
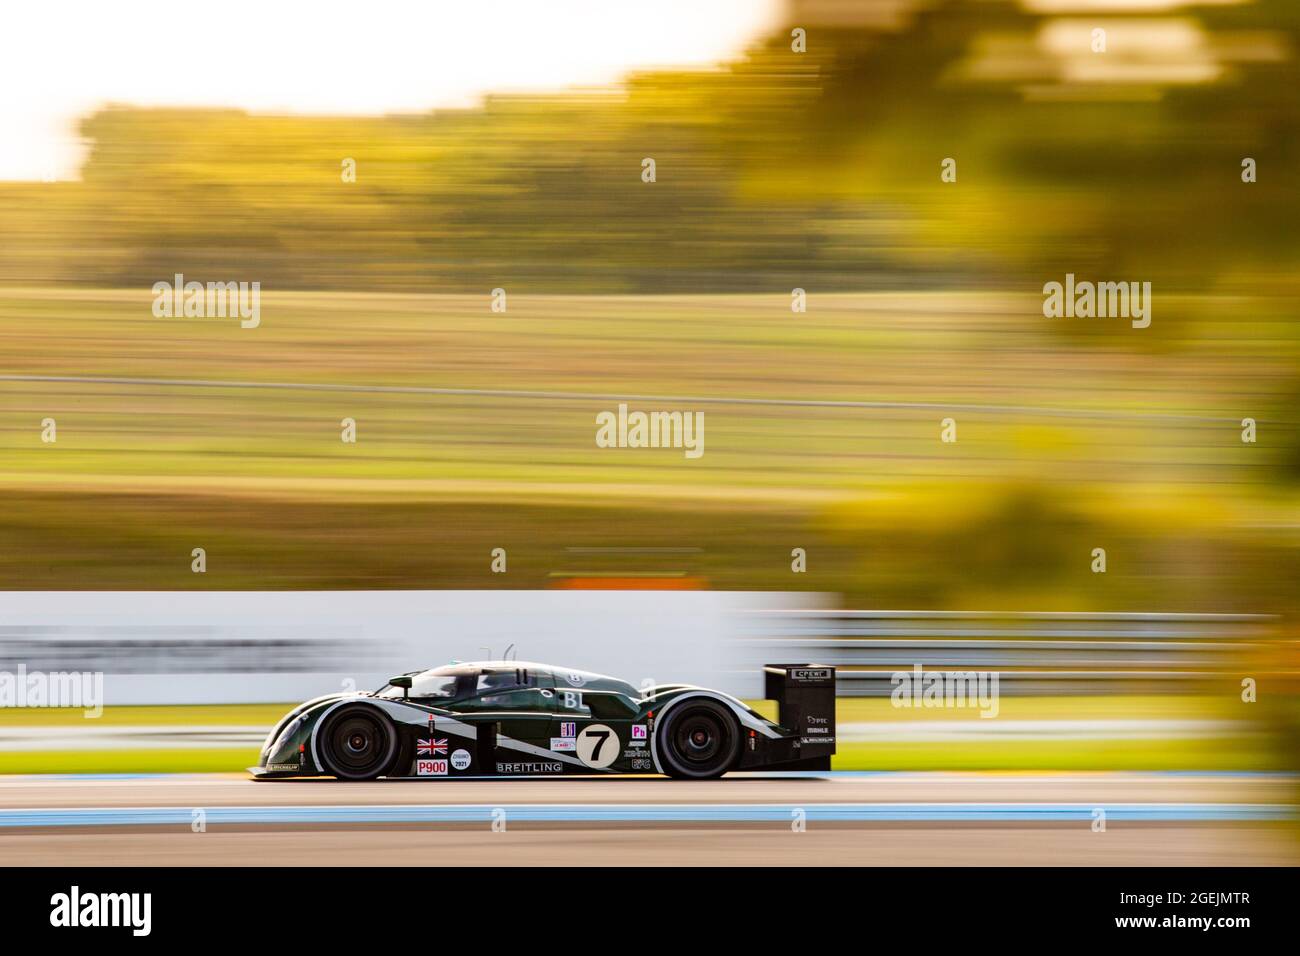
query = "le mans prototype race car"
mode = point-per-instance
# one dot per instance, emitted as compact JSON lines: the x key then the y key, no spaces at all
{"x":511,"y":718}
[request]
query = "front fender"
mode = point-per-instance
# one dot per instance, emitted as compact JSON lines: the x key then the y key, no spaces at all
{"x":662,"y":703}
{"x":399,"y":711}
{"x":289,"y":749}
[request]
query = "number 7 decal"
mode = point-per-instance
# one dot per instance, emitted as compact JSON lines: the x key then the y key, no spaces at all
{"x":592,"y":749}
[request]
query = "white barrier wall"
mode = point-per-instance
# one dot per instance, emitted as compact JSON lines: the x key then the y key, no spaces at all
{"x":173,"y":647}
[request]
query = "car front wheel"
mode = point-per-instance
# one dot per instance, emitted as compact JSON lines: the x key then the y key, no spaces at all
{"x":357,"y":743}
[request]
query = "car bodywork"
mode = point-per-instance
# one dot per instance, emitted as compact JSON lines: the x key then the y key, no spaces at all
{"x":510,"y":718}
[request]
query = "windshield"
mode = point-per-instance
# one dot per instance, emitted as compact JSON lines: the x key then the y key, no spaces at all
{"x":447,"y":682}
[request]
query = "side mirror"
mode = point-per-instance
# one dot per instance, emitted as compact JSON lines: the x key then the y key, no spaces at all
{"x":403,"y":682}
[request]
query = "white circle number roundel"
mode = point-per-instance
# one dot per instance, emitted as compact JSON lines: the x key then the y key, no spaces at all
{"x":597,"y":746}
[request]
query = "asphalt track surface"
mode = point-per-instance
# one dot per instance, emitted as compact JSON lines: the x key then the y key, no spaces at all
{"x":832,"y":818}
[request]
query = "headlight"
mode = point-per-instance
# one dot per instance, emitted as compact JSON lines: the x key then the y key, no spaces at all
{"x":290,"y":729}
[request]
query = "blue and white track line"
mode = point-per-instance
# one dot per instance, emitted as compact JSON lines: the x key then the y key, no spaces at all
{"x":647,"y":813}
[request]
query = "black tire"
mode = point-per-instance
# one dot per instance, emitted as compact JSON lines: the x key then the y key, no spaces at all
{"x":357,"y":742}
{"x":698,"y":740}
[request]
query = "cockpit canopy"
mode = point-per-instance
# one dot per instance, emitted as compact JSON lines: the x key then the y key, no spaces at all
{"x":462,"y":681}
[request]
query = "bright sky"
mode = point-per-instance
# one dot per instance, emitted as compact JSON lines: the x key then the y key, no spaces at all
{"x":60,"y":59}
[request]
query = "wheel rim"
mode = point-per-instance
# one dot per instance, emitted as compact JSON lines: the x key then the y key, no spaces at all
{"x":700,"y":737}
{"x":358,"y":744}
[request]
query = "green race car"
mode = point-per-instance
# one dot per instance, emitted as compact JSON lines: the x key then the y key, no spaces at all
{"x":513,"y":718}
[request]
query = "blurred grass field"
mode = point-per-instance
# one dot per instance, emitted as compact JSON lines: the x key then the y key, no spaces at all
{"x":1065,"y":437}
{"x":977,"y":357}
{"x":1235,"y":752}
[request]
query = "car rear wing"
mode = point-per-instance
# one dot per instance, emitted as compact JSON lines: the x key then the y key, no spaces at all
{"x":805,"y":701}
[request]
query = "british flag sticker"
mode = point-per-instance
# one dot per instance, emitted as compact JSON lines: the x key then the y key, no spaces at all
{"x":431,"y":747}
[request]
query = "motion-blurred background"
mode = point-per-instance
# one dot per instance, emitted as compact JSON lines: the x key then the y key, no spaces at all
{"x":775,"y":170}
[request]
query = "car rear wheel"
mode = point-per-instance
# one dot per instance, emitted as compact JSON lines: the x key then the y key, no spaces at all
{"x":698,"y":740}
{"x":358,"y":743}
